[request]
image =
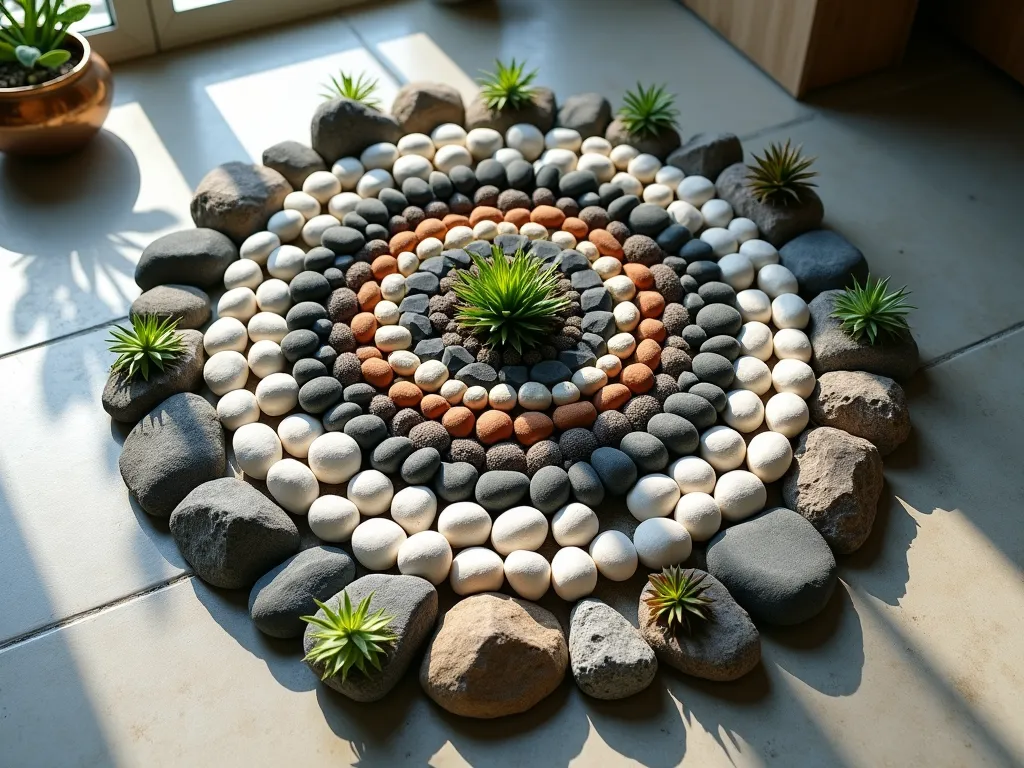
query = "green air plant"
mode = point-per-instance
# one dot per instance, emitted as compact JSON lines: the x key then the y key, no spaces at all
{"x":678,"y":598}
{"x":871,"y":311}
{"x":361,"y":89}
{"x":511,"y":302}
{"x":510,"y":85}
{"x":149,"y":343}
{"x":349,"y":638}
{"x":647,"y":112}
{"x":783,"y":175}
{"x":35,"y":40}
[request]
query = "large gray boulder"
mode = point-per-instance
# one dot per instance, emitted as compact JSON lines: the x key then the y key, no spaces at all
{"x":707,"y":154}
{"x":726,"y":647}
{"x":420,"y":107}
{"x":588,"y":113}
{"x":661,"y":146}
{"x":344,"y":128}
{"x":284,"y":594}
{"x":835,"y":482}
{"x":128,"y":400}
{"x":823,"y":260}
{"x":778,"y":223}
{"x":231,"y":534}
{"x":863,"y":404}
{"x":834,"y":350}
{"x":293,"y":160}
{"x":775,"y":565}
{"x":411,"y":602}
{"x":539,"y":112}
{"x":238,"y":199}
{"x":609,"y":658}
{"x":175,"y":448}
{"x":196,"y":257}
{"x":188,"y":305}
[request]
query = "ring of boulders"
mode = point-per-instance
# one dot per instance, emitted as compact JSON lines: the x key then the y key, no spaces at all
{"x":696,"y":366}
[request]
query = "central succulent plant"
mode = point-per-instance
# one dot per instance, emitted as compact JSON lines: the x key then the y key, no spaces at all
{"x":361,"y":89}
{"x":349,"y":638}
{"x":36,"y":40}
{"x":871,"y":311}
{"x":150,"y":342}
{"x":647,"y":112}
{"x":510,"y":302}
{"x":783,"y":175}
{"x":678,"y":598}
{"x":510,"y":85}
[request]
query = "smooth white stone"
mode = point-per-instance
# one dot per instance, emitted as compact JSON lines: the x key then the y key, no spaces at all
{"x":563,"y":159}
{"x":392,"y":337}
{"x":614,"y":555}
{"x":244,"y":273}
{"x":386,"y":312}
{"x":794,"y":376}
{"x":305,"y":203}
{"x":527,"y":138}
{"x":476,"y":569}
{"x":286,"y":262}
{"x":628,"y":183}
{"x":696,"y":190}
{"x":485,"y":230}
{"x":344,"y":203}
{"x":627,"y":316}
{"x":622,"y":155}
{"x":464,"y":524}
{"x":293,"y":486}
{"x":265,"y":357}
{"x":670,"y":176}
{"x":482,"y":143}
{"x":740,"y":494}
{"x":475,"y":398}
{"x":528,"y":573}
{"x":448,"y":134}
{"x":792,"y":344}
{"x":755,"y":339}
{"x":257,"y":448}
{"x":661,"y":542}
{"x":411,"y":167}
{"x":599,"y":165}
{"x":775,"y":280}
{"x":589,"y":250}
{"x":574,"y":525}
{"x":334,"y":458}
{"x":752,"y":374}
{"x":297,"y":433}
{"x":322,"y":186}
{"x":563,"y":240}
{"x":258,"y":247}
{"x":693,"y":475}
{"x":519,"y":528}
{"x":277,"y":394}
{"x":403,"y":362}
{"x":507,"y":228}
{"x":744,"y":410}
{"x":239,"y":303}
{"x":371,"y":491}
{"x":225,"y":335}
{"x":426,"y":554}
{"x":429,"y":248}
{"x":573,"y":573}
{"x":622,"y":345}
{"x":373,"y":182}
{"x":721,"y":241}
{"x":744,"y":229}
{"x":458,"y":237}
{"x":287,"y":225}
{"x":348,"y":170}
{"x":565,"y":392}
{"x":450,"y":156}
{"x":737,"y":271}
{"x":596,"y":145}
{"x":408,"y":263}
{"x":453,"y":390}
{"x":237,"y":408}
{"x":431,"y":375}
{"x":414,"y":509}
{"x":380,"y":156}
{"x":610,"y":364}
{"x":225,"y":372}
{"x":534,"y":231}
{"x":534,"y":396}
{"x":653,"y":495}
{"x":376,"y":543}
{"x":787,"y":414}
{"x":607,"y":267}
{"x":760,"y":252}
{"x":621,"y":288}
{"x":333,"y":518}
{"x":659,"y":194}
{"x":723,"y":448}
{"x":790,"y":311}
{"x":313,"y":231}
{"x":416,"y":144}
{"x":699,"y":514}
{"x":644,"y":168}
{"x":589,"y":379}
{"x":684,"y":213}
{"x":754,"y":306}
{"x":502,"y":397}
{"x":563,"y":138}
{"x":718,"y":213}
{"x":769,"y":455}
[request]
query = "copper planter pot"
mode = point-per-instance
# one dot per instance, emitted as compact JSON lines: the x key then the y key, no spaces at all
{"x":61,"y":115}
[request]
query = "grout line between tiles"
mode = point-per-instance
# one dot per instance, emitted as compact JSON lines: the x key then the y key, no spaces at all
{"x":56,"y":339}
{"x":987,"y":341}
{"x":779,"y":126}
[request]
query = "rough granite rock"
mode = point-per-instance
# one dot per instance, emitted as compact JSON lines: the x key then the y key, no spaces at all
{"x":494,"y":655}
{"x":726,"y":647}
{"x":176,"y":447}
{"x":282,"y":595}
{"x":196,"y":257}
{"x":539,"y":112}
{"x":411,"y":602}
{"x":344,"y":128}
{"x":775,"y":565}
{"x":293,"y":160}
{"x":609,"y":658}
{"x":238,"y":199}
{"x":778,"y":224}
{"x":420,"y":107}
{"x":128,"y":400}
{"x":661,"y":146}
{"x":823,"y":260}
{"x":834,"y":350}
{"x":707,"y":154}
{"x":189,"y":305}
{"x":863,"y":404}
{"x":231,"y":534}
{"x":835,"y":482}
{"x":588,"y":113}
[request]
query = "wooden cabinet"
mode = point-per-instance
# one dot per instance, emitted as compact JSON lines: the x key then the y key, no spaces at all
{"x":994,"y":28}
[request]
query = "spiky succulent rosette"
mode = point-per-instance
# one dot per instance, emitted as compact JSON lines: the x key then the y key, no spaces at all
{"x":678,"y":598}
{"x":359,"y":88}
{"x":349,"y":638}
{"x":782,"y":175}
{"x":149,"y":343}
{"x":647,"y":112}
{"x":870,"y":310}
{"x":510,"y":85}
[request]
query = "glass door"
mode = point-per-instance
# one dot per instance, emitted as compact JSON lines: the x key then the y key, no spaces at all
{"x":118,"y":29}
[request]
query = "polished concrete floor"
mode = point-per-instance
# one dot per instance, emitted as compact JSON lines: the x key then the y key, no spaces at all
{"x":112,"y":654}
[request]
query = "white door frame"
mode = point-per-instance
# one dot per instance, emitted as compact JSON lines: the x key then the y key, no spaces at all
{"x":130,"y":36}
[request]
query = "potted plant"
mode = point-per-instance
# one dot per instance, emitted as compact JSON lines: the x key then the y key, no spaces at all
{"x":55,"y":91}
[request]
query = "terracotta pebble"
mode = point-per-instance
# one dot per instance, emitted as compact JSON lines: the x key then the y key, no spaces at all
{"x":579,"y":414}
{"x":434,"y":406}
{"x":368,"y":353}
{"x":651,"y":303}
{"x":377,"y":372}
{"x":575,"y":227}
{"x":611,"y":397}
{"x":648,"y":354}
{"x":402,"y":242}
{"x":493,"y":426}
{"x":453,"y":220}
{"x":606,"y":244}
{"x":547,"y":216}
{"x":651,"y":329}
{"x":369,"y":296}
{"x":459,"y":421}
{"x":430,"y":228}
{"x":532,"y":427}
{"x":640,"y":275}
{"x":383,"y":266}
{"x":638,"y":377}
{"x":405,"y":394}
{"x":364,"y":325}
{"x":518,"y":216}
{"x":485,"y":213}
